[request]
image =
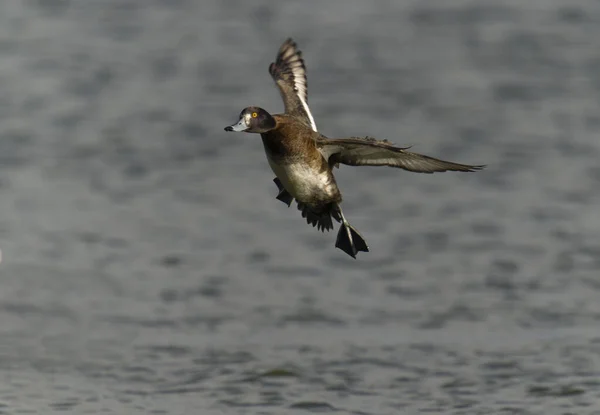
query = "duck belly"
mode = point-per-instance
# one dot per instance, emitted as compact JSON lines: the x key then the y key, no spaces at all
{"x":306,"y":184}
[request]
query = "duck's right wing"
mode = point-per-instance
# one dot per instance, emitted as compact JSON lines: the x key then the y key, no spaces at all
{"x":289,"y":73}
{"x":371,"y":152}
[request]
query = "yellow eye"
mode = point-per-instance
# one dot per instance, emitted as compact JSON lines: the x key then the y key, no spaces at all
{"x":254,"y":115}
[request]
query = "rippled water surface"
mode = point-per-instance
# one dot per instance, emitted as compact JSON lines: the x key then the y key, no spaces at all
{"x":148,"y":269}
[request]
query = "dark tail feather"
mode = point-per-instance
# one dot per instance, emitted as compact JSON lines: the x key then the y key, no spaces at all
{"x":322,"y":219}
{"x":350,"y":241}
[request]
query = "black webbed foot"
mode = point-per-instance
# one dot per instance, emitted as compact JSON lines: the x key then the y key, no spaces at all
{"x":283,"y":195}
{"x":350,"y":241}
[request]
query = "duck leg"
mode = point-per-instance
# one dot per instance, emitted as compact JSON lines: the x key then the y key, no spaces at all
{"x":348,"y":238}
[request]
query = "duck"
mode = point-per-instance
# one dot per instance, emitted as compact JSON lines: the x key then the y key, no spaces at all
{"x":303,"y":159}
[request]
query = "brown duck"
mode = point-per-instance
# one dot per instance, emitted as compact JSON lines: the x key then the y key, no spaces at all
{"x":303,"y":159}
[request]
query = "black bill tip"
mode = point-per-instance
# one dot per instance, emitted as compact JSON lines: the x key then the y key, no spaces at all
{"x":229,"y":128}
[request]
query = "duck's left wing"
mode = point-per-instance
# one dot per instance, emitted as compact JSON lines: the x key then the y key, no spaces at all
{"x":289,"y":73}
{"x":371,"y":152}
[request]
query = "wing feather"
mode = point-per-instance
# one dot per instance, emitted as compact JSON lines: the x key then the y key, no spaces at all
{"x":289,"y":73}
{"x":371,"y":152}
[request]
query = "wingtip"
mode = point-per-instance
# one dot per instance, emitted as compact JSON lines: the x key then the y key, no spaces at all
{"x":468,"y":168}
{"x":289,"y":41}
{"x":478,"y":167}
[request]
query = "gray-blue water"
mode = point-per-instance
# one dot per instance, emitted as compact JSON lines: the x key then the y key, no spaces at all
{"x":148,"y":269}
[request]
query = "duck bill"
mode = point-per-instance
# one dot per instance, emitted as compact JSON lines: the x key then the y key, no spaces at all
{"x":240,"y":126}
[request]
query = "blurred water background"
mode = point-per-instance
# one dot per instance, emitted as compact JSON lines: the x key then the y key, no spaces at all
{"x":148,"y":269}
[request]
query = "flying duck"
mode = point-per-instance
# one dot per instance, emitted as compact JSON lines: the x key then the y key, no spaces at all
{"x":303,"y":159}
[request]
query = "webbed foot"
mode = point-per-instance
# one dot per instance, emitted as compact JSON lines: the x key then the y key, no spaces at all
{"x":283,"y":195}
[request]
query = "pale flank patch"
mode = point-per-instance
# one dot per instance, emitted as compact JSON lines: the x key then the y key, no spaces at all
{"x":302,"y":182}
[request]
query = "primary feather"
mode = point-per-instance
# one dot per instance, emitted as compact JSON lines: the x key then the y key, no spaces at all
{"x":368,"y":151}
{"x":289,"y":73}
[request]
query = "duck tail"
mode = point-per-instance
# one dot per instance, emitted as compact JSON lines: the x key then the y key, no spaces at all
{"x":319,"y":217}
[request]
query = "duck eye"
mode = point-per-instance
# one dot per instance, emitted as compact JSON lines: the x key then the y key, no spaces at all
{"x":254,"y":115}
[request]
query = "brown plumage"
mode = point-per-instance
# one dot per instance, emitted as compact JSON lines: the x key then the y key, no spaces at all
{"x":289,"y":141}
{"x":302,"y":158}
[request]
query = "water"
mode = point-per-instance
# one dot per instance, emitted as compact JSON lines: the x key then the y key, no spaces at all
{"x":148,"y":269}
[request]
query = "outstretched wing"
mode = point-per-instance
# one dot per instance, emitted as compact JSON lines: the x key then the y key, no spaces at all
{"x":289,"y":73}
{"x":371,"y":152}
